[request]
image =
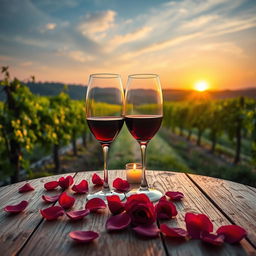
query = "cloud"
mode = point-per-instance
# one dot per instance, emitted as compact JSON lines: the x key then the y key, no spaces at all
{"x":95,"y":24}
{"x":32,"y":41}
{"x":76,"y":55}
{"x":80,"y":56}
{"x":136,"y":35}
{"x":26,"y":64}
{"x":161,"y":45}
{"x":224,"y":48}
{"x":198,"y":22}
{"x":50,"y":26}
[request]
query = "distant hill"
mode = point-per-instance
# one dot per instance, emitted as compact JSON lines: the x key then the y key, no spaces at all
{"x":177,"y":95}
{"x":78,"y":92}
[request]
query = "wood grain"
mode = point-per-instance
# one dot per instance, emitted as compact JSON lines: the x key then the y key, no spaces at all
{"x":236,"y":200}
{"x":16,"y":228}
{"x":195,"y":201}
{"x":28,"y":234}
{"x":51,"y":238}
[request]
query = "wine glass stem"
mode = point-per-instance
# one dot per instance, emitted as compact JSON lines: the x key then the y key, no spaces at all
{"x":105,"y":149}
{"x":144,"y":183}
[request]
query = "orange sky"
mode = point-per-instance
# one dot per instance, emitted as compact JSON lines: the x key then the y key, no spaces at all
{"x":183,"y":41}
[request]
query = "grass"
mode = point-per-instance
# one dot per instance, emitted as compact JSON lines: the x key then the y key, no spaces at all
{"x":165,"y":151}
{"x":204,"y":163}
{"x":160,"y":154}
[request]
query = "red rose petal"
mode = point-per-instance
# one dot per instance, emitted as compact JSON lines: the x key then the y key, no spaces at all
{"x":147,"y":230}
{"x":118,"y":222}
{"x":65,"y":182}
{"x":174,"y":195}
{"x":78,"y":215}
{"x":50,"y":199}
{"x":17,"y":207}
{"x":165,"y":210}
{"x":197,"y":223}
{"x":139,"y":198}
{"x":95,"y":204}
{"x":140,"y":210}
{"x":163,"y":198}
{"x":97,"y":180}
{"x":173,"y":232}
{"x":52,"y":213}
{"x":81,"y":188}
{"x":83,"y":236}
{"x":66,"y":201}
{"x":51,"y":185}
{"x":232,"y":233}
{"x":25,"y":188}
{"x":121,"y":185}
{"x":114,"y":204}
{"x":212,"y":239}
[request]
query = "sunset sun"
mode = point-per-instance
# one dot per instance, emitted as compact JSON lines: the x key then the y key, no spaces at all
{"x":201,"y":86}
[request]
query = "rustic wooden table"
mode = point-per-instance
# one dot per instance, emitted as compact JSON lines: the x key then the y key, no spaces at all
{"x":223,"y":201}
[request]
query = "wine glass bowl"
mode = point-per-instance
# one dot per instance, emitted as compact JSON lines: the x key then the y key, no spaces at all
{"x":143,"y":116}
{"x":104,"y":115}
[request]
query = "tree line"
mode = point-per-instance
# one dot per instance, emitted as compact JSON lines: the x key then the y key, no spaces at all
{"x":235,"y":117}
{"x":27,"y":120}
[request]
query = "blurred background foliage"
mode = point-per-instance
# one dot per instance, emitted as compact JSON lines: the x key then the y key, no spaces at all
{"x":213,"y":137}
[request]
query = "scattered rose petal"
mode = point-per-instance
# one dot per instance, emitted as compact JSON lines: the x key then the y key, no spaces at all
{"x":51,"y":185}
{"x":165,"y":210}
{"x":151,"y":230}
{"x":212,"y":238}
{"x":25,"y":188}
{"x":118,"y":222}
{"x":50,"y":199}
{"x":16,"y":207}
{"x":97,"y":180}
{"x":174,"y":195}
{"x":66,"y":201}
{"x":173,"y":232}
{"x":163,"y":198}
{"x":65,"y":182}
{"x":83,"y":236}
{"x":52,"y":213}
{"x":78,"y":215}
{"x":232,"y":233}
{"x":114,"y":204}
{"x":139,"y":198}
{"x":197,"y":223}
{"x":140,"y":209}
{"x":95,"y":204}
{"x":121,"y":185}
{"x":81,"y":188}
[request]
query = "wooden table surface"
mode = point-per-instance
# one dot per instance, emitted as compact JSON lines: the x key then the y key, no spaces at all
{"x":225,"y":202}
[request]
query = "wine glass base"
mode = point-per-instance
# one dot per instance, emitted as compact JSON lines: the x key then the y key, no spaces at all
{"x":153,"y":194}
{"x":103,"y":195}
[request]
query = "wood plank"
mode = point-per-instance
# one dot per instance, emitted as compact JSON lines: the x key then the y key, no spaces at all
{"x":236,"y":200}
{"x":15,"y":229}
{"x":252,"y":188}
{"x":51,"y":238}
{"x":194,"y":201}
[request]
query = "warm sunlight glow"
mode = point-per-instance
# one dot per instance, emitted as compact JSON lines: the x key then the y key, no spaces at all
{"x":201,"y":86}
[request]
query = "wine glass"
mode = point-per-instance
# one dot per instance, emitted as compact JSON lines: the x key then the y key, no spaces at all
{"x":143,"y":117}
{"x":104,"y":115}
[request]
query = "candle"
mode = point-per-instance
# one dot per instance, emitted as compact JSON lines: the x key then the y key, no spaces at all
{"x":134,"y":173}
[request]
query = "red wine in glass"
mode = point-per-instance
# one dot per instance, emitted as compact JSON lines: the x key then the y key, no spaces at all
{"x":106,"y":128}
{"x":143,"y":127}
{"x":143,"y":111}
{"x":104,"y":114}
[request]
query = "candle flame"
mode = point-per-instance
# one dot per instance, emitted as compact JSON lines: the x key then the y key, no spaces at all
{"x":134,"y":166}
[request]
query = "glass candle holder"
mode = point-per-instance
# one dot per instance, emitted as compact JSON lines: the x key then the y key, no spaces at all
{"x":133,"y":173}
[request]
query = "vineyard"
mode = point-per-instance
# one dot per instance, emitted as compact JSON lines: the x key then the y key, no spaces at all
{"x":210,"y":137}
